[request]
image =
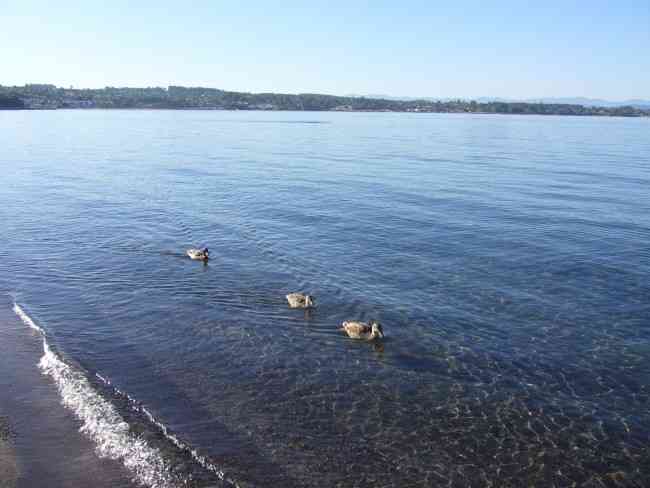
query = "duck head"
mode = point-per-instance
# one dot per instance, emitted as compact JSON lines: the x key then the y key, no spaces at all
{"x":377,"y":330}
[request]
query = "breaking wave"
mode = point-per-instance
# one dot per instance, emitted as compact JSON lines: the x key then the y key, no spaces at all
{"x":200,"y":459}
{"x":28,"y":321}
{"x":103,"y":424}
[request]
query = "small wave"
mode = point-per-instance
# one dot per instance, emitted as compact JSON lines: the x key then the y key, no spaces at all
{"x":100,"y":420}
{"x":27,"y":320}
{"x":202,"y":460}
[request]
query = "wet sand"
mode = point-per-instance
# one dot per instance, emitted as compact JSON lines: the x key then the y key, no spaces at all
{"x":40,"y":442}
{"x":8,"y":461}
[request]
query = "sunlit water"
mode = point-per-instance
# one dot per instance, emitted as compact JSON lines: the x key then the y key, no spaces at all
{"x":508,"y":259}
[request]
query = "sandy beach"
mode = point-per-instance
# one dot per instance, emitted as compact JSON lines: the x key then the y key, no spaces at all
{"x":8,"y":461}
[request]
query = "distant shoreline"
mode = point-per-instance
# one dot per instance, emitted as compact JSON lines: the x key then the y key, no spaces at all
{"x":51,"y":97}
{"x":198,"y":109}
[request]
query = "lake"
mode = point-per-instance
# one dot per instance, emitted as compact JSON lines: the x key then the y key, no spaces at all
{"x":507,"y":258}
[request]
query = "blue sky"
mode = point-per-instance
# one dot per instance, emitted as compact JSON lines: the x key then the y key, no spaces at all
{"x":415,"y":48}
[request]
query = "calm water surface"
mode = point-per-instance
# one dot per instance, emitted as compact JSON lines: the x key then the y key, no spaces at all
{"x":508,"y":259}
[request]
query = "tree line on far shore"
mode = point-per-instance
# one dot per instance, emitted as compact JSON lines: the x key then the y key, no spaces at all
{"x":11,"y":102}
{"x":177,"y":97}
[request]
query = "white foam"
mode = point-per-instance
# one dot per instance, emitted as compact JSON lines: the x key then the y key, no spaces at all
{"x":199,"y":458}
{"x":100,"y":420}
{"x":27,"y":320}
{"x":202,"y":460}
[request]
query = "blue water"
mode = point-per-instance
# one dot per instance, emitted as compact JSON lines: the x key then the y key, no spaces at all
{"x":507,"y":258}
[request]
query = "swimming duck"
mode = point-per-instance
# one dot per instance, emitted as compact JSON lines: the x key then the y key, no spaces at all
{"x":362,"y":330}
{"x":199,"y":254}
{"x":300,"y":300}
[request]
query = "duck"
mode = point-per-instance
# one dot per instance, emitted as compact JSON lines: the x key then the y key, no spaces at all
{"x":362,"y":330}
{"x":199,"y":254}
{"x":300,"y":300}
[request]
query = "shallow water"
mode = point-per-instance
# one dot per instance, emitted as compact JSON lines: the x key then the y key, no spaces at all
{"x":507,"y":257}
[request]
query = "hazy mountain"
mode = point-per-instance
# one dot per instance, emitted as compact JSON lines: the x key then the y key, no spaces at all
{"x":591,"y":102}
{"x":587,"y":102}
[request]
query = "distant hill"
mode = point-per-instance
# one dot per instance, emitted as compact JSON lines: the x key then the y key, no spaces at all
{"x":11,"y":103}
{"x":587,"y":102}
{"x":592,"y":102}
{"x":50,"y":97}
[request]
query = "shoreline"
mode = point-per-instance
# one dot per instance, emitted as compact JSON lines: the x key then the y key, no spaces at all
{"x":40,"y":438}
{"x":417,"y":112}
